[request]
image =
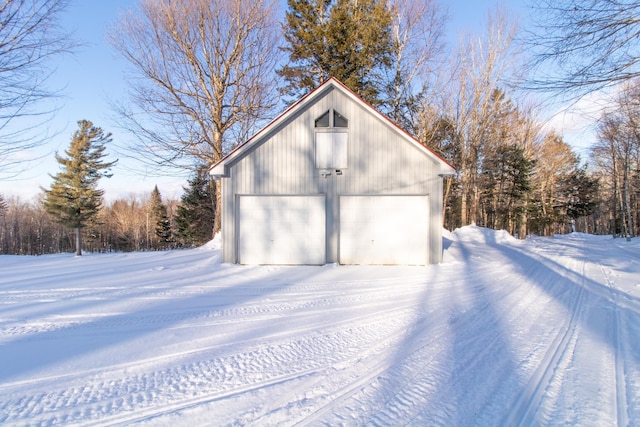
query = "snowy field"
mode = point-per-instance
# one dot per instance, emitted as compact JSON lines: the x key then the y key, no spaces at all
{"x":504,"y":332}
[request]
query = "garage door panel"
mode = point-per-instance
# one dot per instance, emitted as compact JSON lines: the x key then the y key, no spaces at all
{"x":281,"y":230}
{"x":383,"y":229}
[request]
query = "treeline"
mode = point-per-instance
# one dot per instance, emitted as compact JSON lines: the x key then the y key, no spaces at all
{"x":513,"y":176}
{"x":136,"y":223}
{"x":470,"y":102}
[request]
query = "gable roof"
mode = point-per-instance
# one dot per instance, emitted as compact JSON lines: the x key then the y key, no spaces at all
{"x":219,"y":169}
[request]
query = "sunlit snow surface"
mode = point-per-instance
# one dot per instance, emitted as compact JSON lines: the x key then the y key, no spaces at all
{"x":543,"y":331}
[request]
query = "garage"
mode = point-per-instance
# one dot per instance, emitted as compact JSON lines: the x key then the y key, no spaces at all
{"x":281,"y":229}
{"x":331,"y":180}
{"x":384,"y":230}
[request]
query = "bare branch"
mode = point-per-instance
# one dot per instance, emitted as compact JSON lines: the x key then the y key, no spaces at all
{"x":29,"y":37}
{"x":202,"y":73}
{"x":418,"y":35}
{"x":584,"y":45}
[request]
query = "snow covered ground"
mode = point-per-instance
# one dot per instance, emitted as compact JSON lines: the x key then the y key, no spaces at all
{"x":504,"y":332}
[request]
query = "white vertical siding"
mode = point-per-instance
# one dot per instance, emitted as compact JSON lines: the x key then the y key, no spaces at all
{"x":380,"y":161}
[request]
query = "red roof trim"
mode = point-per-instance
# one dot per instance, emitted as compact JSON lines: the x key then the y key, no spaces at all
{"x":255,"y":135}
{"x":305,"y":97}
{"x":391,"y":122}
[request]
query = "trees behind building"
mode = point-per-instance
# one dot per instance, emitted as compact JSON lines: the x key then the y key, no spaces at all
{"x":616,"y":157}
{"x":388,"y":52}
{"x":195,"y":213}
{"x":205,"y":78}
{"x":162,"y":236}
{"x":351,"y":41}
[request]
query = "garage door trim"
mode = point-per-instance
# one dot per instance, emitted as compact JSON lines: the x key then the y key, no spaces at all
{"x":385,"y":229}
{"x":281,"y":229}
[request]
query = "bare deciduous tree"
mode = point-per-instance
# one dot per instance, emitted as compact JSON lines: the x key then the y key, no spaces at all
{"x":29,"y":37}
{"x":483,"y":66}
{"x":555,"y":162}
{"x":582,"y":45}
{"x":418,"y":35}
{"x":203,"y":75}
{"x":617,"y":154}
{"x":129,"y":220}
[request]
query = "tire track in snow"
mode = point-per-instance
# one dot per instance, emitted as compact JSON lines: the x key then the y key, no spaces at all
{"x":619,"y":373}
{"x":490,"y":353}
{"x":350,"y":389}
{"x":131,"y":392}
{"x":529,"y":401}
{"x":115,"y":321}
{"x":622,"y":407}
{"x":405,"y":375}
{"x":312,"y":377}
{"x":234,"y":317}
{"x":115,"y":392}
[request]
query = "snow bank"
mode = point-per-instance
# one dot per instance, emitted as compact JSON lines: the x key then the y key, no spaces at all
{"x":475,"y":234}
{"x":214,"y":244}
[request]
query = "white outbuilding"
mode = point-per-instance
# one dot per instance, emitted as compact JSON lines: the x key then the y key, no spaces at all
{"x":332,"y":180}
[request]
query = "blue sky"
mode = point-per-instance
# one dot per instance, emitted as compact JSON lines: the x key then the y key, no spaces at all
{"x":94,"y":74}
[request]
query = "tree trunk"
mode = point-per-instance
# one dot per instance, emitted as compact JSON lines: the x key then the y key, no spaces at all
{"x":628,"y":217}
{"x":217,"y":206}
{"x":522,"y":230}
{"x":464,"y":191}
{"x":628,"y":190}
{"x":78,"y":241}
{"x":447,"y":192}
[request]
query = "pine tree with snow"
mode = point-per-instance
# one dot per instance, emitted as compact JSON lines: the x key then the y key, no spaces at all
{"x":74,"y":198}
{"x":195,"y":213}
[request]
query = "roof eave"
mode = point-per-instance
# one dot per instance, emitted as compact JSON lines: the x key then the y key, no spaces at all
{"x":447,"y":172}
{"x":218,"y":169}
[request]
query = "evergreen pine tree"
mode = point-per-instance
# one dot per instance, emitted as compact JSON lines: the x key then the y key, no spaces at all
{"x":346,"y":39}
{"x":161,"y":223}
{"x":505,"y":184}
{"x":195,"y":213}
{"x":74,"y":198}
{"x":579,"y":194}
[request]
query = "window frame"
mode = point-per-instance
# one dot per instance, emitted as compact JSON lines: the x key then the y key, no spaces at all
{"x":331,"y":143}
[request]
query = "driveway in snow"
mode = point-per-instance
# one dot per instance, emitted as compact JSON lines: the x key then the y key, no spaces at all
{"x":504,"y":332}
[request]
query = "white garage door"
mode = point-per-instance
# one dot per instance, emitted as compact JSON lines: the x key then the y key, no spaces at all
{"x":384,"y":229}
{"x":281,"y":230}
